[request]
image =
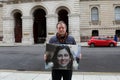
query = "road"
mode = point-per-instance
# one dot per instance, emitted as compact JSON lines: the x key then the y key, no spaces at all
{"x":23,"y":58}
{"x":100,"y":59}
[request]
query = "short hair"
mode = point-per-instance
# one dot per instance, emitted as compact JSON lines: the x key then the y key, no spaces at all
{"x":61,"y":22}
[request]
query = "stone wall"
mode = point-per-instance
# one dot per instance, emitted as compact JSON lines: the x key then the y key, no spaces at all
{"x":51,"y":8}
{"x":79,"y":13}
{"x":106,"y":16}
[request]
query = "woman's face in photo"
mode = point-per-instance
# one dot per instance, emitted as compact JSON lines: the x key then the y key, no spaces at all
{"x":63,"y":58}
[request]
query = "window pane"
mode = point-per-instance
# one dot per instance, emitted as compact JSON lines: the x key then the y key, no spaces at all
{"x":94,"y":13}
{"x":117,"y":13}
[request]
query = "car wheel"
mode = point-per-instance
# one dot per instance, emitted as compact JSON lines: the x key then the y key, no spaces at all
{"x":92,"y":45}
{"x":111,"y":45}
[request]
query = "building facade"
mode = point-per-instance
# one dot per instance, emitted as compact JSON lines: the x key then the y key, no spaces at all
{"x":100,"y":18}
{"x":34,"y":21}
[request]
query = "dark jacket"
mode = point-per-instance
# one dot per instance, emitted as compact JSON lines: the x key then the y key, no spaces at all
{"x":69,"y":40}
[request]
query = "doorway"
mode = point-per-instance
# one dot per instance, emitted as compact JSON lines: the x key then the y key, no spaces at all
{"x":39,"y":26}
{"x":117,"y":33}
{"x":95,"y":33}
{"x":18,"y":27}
{"x":63,"y":16}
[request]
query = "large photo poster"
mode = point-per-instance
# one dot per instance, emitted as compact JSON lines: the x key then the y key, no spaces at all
{"x":62,"y":56}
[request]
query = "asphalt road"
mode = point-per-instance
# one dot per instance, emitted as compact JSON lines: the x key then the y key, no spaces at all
{"x":100,"y":59}
{"x":23,"y":58}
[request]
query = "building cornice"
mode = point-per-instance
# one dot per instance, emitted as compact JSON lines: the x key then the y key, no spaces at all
{"x":25,"y":1}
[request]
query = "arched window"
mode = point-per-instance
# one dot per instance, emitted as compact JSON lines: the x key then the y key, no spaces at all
{"x":117,"y":13}
{"x":94,"y":14}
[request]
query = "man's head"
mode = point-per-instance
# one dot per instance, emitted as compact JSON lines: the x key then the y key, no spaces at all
{"x":61,"y":28}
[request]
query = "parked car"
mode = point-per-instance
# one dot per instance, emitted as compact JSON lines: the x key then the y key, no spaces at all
{"x":101,"y":41}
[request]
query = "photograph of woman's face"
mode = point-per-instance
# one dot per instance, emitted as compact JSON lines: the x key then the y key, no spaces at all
{"x":63,"y":58}
{"x":60,"y":57}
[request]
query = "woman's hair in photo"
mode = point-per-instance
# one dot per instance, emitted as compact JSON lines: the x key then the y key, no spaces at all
{"x":55,"y":61}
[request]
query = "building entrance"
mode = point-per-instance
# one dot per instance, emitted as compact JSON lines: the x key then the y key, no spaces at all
{"x":95,"y":33}
{"x":18,"y":27}
{"x":39,"y":26}
{"x":118,"y":33}
{"x":63,"y":16}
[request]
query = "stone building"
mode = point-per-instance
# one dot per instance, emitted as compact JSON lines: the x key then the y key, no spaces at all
{"x":34,"y":21}
{"x":100,"y":18}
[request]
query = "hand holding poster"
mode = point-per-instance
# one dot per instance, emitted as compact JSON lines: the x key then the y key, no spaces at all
{"x":62,"y":56}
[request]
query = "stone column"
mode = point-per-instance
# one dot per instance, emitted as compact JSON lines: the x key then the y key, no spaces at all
{"x":27,"y":28}
{"x":74,"y":26}
{"x":51,"y":25}
{"x":8,"y":31}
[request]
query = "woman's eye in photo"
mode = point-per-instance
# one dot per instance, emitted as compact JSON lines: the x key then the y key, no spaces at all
{"x":66,"y":55}
{"x":60,"y":55}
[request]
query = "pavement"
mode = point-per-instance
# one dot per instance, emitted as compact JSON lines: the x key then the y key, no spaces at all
{"x":40,"y":75}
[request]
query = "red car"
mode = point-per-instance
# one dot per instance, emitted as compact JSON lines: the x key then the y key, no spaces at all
{"x":101,"y":41}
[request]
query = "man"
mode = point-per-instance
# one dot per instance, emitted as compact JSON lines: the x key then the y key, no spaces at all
{"x":61,"y":37}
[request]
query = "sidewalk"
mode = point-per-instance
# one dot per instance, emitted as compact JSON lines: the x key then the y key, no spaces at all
{"x":38,"y":75}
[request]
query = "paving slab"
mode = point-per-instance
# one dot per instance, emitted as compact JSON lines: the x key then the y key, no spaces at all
{"x":41,"y":75}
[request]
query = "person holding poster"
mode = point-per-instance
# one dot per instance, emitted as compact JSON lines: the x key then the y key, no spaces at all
{"x":61,"y":38}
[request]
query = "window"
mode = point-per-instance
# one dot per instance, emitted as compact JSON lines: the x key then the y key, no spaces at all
{"x":117,"y":13}
{"x":94,"y":14}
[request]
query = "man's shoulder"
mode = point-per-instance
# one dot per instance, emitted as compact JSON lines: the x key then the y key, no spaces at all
{"x":70,"y":37}
{"x":53,"y":37}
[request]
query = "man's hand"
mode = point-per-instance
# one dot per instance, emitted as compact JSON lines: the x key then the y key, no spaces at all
{"x":80,"y":56}
{"x":45,"y":57}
